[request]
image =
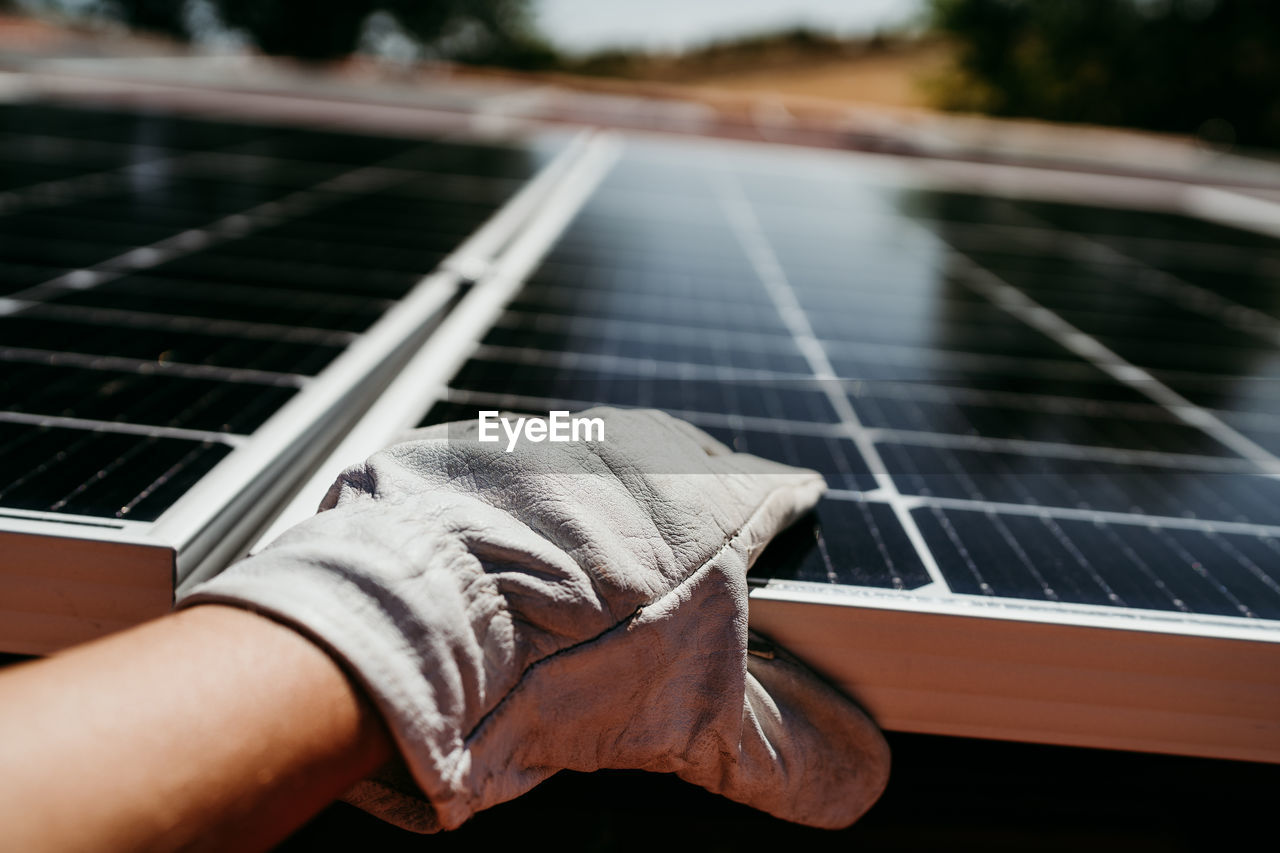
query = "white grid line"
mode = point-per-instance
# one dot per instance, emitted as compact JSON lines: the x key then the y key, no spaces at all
{"x":148,"y":430}
{"x":1059,"y":450}
{"x":182,"y":322}
{"x":526,"y":402}
{"x":679,"y":370}
{"x":1101,"y":516}
{"x":755,"y":244}
{"x":1198,"y":300}
{"x":1021,"y":447}
{"x":641,"y":367}
{"x":1017,"y":303}
{"x":79,"y":187}
{"x":292,"y":205}
{"x":644,"y":330}
{"x":144,"y":367}
{"x":882,"y":353}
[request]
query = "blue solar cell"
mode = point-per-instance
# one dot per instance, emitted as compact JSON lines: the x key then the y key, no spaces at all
{"x":871,"y":319}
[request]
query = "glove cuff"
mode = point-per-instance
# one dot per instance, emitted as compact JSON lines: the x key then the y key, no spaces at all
{"x":417,"y":690}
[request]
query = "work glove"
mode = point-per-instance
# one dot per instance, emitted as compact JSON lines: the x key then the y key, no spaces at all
{"x":576,"y":605}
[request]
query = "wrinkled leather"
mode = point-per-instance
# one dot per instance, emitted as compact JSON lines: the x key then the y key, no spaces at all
{"x":567,"y":606}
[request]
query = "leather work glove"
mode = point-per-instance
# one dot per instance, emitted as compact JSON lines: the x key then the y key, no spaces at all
{"x":565,"y":606}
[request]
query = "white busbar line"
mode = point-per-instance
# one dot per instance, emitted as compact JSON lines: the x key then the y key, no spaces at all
{"x":523,"y":402}
{"x":529,"y":403}
{"x":1070,"y":513}
{"x":783,"y":426}
{"x":561,"y":189}
{"x":1155,"y":281}
{"x":1017,"y":303}
{"x":148,"y":430}
{"x":1133,"y":519}
{"x":292,"y":205}
{"x":1062,"y":450}
{"x":90,"y":361}
{"x":760,"y":252}
{"x":85,"y":186}
{"x":187,"y":323}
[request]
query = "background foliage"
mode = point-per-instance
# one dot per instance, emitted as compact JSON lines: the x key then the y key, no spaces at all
{"x":496,"y":32}
{"x":1188,"y":66}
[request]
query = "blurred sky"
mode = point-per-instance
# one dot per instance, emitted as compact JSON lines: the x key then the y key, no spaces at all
{"x":582,"y":26}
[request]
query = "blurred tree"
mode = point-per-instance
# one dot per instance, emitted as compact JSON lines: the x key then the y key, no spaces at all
{"x":478,"y":31}
{"x":1193,"y":66}
{"x":466,"y":30}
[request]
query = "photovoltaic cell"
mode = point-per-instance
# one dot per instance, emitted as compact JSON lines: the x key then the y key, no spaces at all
{"x":173,"y":282}
{"x":833,"y":456}
{"x":617,"y":385}
{"x":822,"y":319}
{"x":149,"y":294}
{"x":100,"y":126}
{"x":182,"y":345}
{"x":1083,"y":562}
{"x":20,"y":276}
{"x":99,"y":474}
{"x":637,"y":339}
{"x":930,"y":408}
{"x":151,"y":398}
{"x":1082,"y":483}
{"x":854,"y":544}
{"x":921,"y":349}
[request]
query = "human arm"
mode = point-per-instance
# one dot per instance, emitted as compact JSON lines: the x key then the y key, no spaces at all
{"x":509,"y":615}
{"x":212,"y":728}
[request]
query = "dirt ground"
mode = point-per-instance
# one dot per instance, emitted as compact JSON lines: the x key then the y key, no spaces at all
{"x":897,"y":78}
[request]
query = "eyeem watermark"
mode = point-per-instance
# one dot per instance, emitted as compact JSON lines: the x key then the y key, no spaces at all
{"x":556,"y":426}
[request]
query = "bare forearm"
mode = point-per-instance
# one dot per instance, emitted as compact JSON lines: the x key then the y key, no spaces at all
{"x":212,"y":727}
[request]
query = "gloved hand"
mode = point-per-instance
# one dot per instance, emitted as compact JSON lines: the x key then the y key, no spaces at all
{"x":567,"y":606}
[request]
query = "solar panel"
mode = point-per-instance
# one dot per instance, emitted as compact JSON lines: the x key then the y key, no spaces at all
{"x":189,"y":309}
{"x":1027,"y":412}
{"x":723,"y":297}
{"x":1047,"y":427}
